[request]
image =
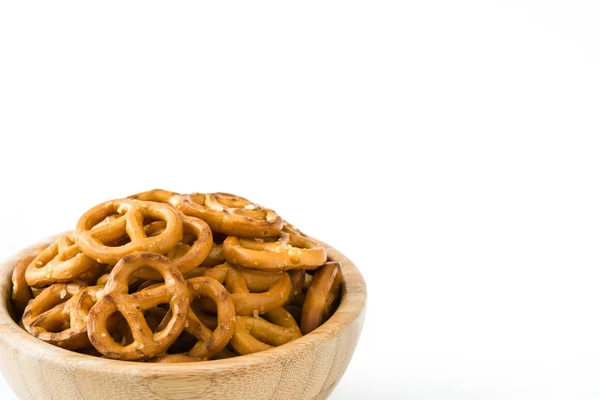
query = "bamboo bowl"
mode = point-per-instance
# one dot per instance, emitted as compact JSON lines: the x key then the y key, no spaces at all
{"x":307,"y":368}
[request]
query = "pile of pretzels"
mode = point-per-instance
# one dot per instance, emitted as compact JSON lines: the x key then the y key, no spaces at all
{"x":165,"y":277}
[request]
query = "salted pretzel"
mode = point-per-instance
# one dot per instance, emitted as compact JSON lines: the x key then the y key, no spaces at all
{"x":253,"y":334}
{"x":274,"y":288}
{"x":211,"y":333}
{"x":230,"y":214}
{"x":290,"y":251}
{"x":146,"y":344}
{"x":62,"y":261}
{"x":157,"y":195}
{"x":210,"y":341}
{"x":128,"y":220}
{"x":58,"y":315}
{"x":190,"y":252}
{"x":320,"y":296}
{"x":21,"y":292}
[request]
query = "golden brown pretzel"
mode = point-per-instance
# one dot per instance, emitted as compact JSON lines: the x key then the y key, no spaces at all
{"x":210,"y":342}
{"x":146,"y":344}
{"x":188,"y":254}
{"x":253,"y":334}
{"x":289,"y":252}
{"x":62,"y":261}
{"x":210,"y":334}
{"x":230,"y":214}
{"x":21,"y":292}
{"x":274,"y":288}
{"x":53,"y":316}
{"x":96,"y":239}
{"x":321,"y":294}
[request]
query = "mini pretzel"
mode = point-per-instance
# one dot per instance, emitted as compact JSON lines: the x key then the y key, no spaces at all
{"x":290,"y":251}
{"x":230,"y":214}
{"x":253,"y":334}
{"x":210,"y":342}
{"x":62,"y":261}
{"x":275,"y":288}
{"x":95,"y":241}
{"x":21,"y":292}
{"x":321,"y":294}
{"x":211,"y":334}
{"x":146,"y":344}
{"x":188,"y":254}
{"x":51,"y":316}
{"x":157,"y":195}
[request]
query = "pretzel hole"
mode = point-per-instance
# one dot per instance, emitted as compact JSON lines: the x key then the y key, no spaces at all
{"x":219,"y":237}
{"x":254,"y":214}
{"x":135,"y":284}
{"x":153,"y":227}
{"x":158,"y":317}
{"x":99,"y":220}
{"x":184,"y":343}
{"x":56,"y":324}
{"x":202,"y":305}
{"x":121,"y":334}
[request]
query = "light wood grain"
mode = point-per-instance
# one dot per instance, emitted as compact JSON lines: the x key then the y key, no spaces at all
{"x":307,"y":368}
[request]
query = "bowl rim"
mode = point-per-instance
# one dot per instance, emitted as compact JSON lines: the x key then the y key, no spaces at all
{"x":352,"y":306}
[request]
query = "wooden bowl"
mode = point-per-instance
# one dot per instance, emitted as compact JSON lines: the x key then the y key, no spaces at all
{"x":306,"y":368}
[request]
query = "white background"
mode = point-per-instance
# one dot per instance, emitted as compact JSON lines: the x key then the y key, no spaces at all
{"x":450,"y":148}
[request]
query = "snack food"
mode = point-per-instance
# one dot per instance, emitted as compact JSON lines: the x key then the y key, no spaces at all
{"x":169,"y":278}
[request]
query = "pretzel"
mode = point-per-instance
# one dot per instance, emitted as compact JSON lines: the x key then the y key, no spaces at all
{"x":146,"y":344}
{"x":211,"y":334}
{"x":21,"y":292}
{"x":321,"y":294}
{"x":275,"y":287}
{"x":188,"y":254}
{"x":95,"y":241}
{"x":57,"y":315}
{"x":157,"y":195}
{"x":253,"y":334}
{"x":290,"y":251}
{"x":62,"y":261}
{"x":210,"y":342}
{"x":230,"y":214}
